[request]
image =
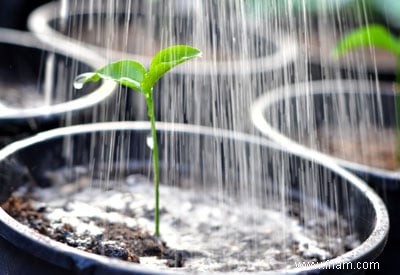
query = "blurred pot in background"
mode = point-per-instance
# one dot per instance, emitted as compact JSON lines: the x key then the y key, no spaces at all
{"x":36,"y":87}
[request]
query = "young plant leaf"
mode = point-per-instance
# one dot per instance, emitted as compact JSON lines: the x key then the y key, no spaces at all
{"x":128,"y":73}
{"x":368,"y":36}
{"x":167,"y":59}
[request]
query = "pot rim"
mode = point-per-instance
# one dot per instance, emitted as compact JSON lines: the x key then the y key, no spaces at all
{"x":313,"y":87}
{"x":26,"y":39}
{"x":287,"y":49}
{"x":370,"y":248}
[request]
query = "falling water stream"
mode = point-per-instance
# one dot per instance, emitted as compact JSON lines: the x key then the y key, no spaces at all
{"x":250,"y":48}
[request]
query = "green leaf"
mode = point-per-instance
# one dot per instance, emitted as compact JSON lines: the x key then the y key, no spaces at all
{"x":369,"y":36}
{"x":167,"y":59}
{"x":128,"y":73}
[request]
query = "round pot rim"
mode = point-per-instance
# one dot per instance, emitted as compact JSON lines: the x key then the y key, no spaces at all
{"x":287,"y":49}
{"x":304,"y":88}
{"x":375,"y":241}
{"x":25,"y":39}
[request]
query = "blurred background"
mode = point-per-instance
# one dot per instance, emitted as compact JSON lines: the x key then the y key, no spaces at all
{"x":14,"y":13}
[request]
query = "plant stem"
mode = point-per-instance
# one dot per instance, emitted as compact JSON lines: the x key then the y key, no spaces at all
{"x":150,"y":113}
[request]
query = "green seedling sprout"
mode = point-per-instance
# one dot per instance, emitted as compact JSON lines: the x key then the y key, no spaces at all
{"x":371,"y":36}
{"x":376,"y":36}
{"x":132,"y":74}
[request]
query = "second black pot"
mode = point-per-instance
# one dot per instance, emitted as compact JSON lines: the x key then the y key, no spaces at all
{"x":293,"y":116}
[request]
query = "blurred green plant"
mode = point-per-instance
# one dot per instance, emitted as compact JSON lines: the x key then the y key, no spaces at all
{"x":134,"y":75}
{"x":372,"y":35}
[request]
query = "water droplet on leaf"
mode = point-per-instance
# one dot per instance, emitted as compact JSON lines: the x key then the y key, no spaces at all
{"x":150,"y":142}
{"x":81,"y":79}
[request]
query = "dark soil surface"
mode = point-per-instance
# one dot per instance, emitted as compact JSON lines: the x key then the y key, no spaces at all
{"x":376,"y":148}
{"x":119,"y":241}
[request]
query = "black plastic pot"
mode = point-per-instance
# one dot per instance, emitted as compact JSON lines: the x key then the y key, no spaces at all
{"x":236,"y":55}
{"x":292,"y":115}
{"x":37,"y":87}
{"x":275,"y":174}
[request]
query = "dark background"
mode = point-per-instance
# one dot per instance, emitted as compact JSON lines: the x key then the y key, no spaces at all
{"x":14,"y":13}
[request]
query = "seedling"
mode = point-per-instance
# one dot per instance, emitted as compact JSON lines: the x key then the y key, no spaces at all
{"x":379,"y":37}
{"x":371,"y":36}
{"x":133,"y":74}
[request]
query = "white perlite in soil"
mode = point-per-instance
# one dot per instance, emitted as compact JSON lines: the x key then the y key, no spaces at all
{"x":222,"y":236}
